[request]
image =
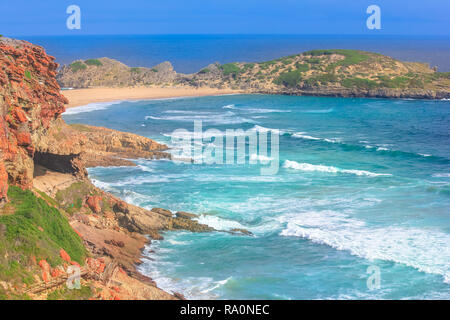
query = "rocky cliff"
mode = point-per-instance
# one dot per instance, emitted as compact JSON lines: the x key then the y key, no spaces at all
{"x":30,"y":102}
{"x":51,"y":216}
{"x":346,"y":73}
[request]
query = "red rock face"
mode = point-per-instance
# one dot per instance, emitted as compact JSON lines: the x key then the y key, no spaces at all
{"x":30,"y":101}
{"x":94,"y":203}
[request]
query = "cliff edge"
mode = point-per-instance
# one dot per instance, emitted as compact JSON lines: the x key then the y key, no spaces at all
{"x":51,"y":216}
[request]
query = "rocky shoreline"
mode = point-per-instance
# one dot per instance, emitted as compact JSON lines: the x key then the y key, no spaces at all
{"x":45,"y":185}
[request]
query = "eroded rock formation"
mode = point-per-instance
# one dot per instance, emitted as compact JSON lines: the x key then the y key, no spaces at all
{"x":30,"y":102}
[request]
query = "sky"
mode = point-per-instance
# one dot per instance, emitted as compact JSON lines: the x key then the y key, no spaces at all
{"x":48,"y":17}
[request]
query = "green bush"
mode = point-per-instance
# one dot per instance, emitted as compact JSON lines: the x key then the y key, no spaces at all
{"x":77,"y":66}
{"x":205,"y":70}
{"x":135,"y":70}
{"x":93,"y":62}
{"x":360,"y":83}
{"x":302,"y":67}
{"x":289,"y":79}
{"x":230,"y":69}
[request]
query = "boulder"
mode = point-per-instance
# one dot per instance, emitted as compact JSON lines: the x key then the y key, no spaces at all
{"x":121,"y":206}
{"x":93,"y":203}
{"x":163,"y":212}
{"x":64,"y":255}
{"x":186,"y":215}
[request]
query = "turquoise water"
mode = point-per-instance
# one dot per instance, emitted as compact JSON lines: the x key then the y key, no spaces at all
{"x":362,"y":183}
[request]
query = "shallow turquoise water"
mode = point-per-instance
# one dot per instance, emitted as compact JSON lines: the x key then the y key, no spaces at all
{"x":362,"y":182}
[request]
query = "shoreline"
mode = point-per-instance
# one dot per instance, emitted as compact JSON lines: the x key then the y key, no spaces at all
{"x":81,"y":97}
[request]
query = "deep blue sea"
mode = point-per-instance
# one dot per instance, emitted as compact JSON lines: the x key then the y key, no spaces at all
{"x":190,"y":53}
{"x":362,"y":193}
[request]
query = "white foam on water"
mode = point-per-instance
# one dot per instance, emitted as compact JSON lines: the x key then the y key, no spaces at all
{"x":319,"y":111}
{"x":228,"y":106}
{"x":424,"y":249}
{"x":441,"y":175}
{"x":217,"y":284}
{"x":328,"y":169}
{"x":260,"y":157}
{"x":218,"y":223}
{"x":214,"y":118}
{"x":191,"y":287}
{"x":91,"y":107}
{"x":262,"y":110}
{"x":302,"y":135}
{"x":264,"y":130}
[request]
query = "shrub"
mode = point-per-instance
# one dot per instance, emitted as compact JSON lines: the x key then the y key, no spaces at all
{"x":359,"y":83}
{"x":302,"y":67}
{"x":77,"y":66}
{"x":93,"y":62}
{"x":205,"y":70}
{"x":289,"y":79}
{"x":135,"y":70}
{"x":230,"y":68}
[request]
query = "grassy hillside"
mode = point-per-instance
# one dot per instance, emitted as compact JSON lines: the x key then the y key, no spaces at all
{"x":329,"y":68}
{"x":31,"y":230}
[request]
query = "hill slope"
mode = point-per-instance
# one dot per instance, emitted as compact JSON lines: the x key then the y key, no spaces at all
{"x":318,"y":72}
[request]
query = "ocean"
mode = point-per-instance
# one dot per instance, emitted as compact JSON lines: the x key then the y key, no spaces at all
{"x":191,"y":53}
{"x":359,"y":208}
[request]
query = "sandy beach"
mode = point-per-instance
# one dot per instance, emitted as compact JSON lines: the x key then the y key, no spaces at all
{"x":79,"y":97}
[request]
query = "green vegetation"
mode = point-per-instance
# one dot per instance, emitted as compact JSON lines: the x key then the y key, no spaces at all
{"x":28,"y":74}
{"x":34,"y":229}
{"x":321,"y":79}
{"x":267,"y":64}
{"x":313,"y":60}
{"x":154,"y":70}
{"x":359,"y":83}
{"x":93,"y":62}
{"x":135,"y":70}
{"x":81,"y":127}
{"x":205,"y":70}
{"x":302,"y":67}
{"x":77,"y":66}
{"x":441,"y":75}
{"x":230,"y":69}
{"x":248,"y":66}
{"x":84,"y":293}
{"x":71,"y":198}
{"x":289,"y":79}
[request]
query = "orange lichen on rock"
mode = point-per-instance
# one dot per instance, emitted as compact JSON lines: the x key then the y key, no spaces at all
{"x":94,"y":203}
{"x":64,"y":255}
{"x":30,"y":101}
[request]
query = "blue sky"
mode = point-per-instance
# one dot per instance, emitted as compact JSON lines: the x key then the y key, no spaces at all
{"x":48,"y":17}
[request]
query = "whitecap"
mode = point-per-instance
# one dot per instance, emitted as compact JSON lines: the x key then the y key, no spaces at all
{"x":329,"y":169}
{"x":219,"y":223}
{"x":91,"y":107}
{"x":319,"y":111}
{"x":424,"y":249}
{"x":441,"y":175}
